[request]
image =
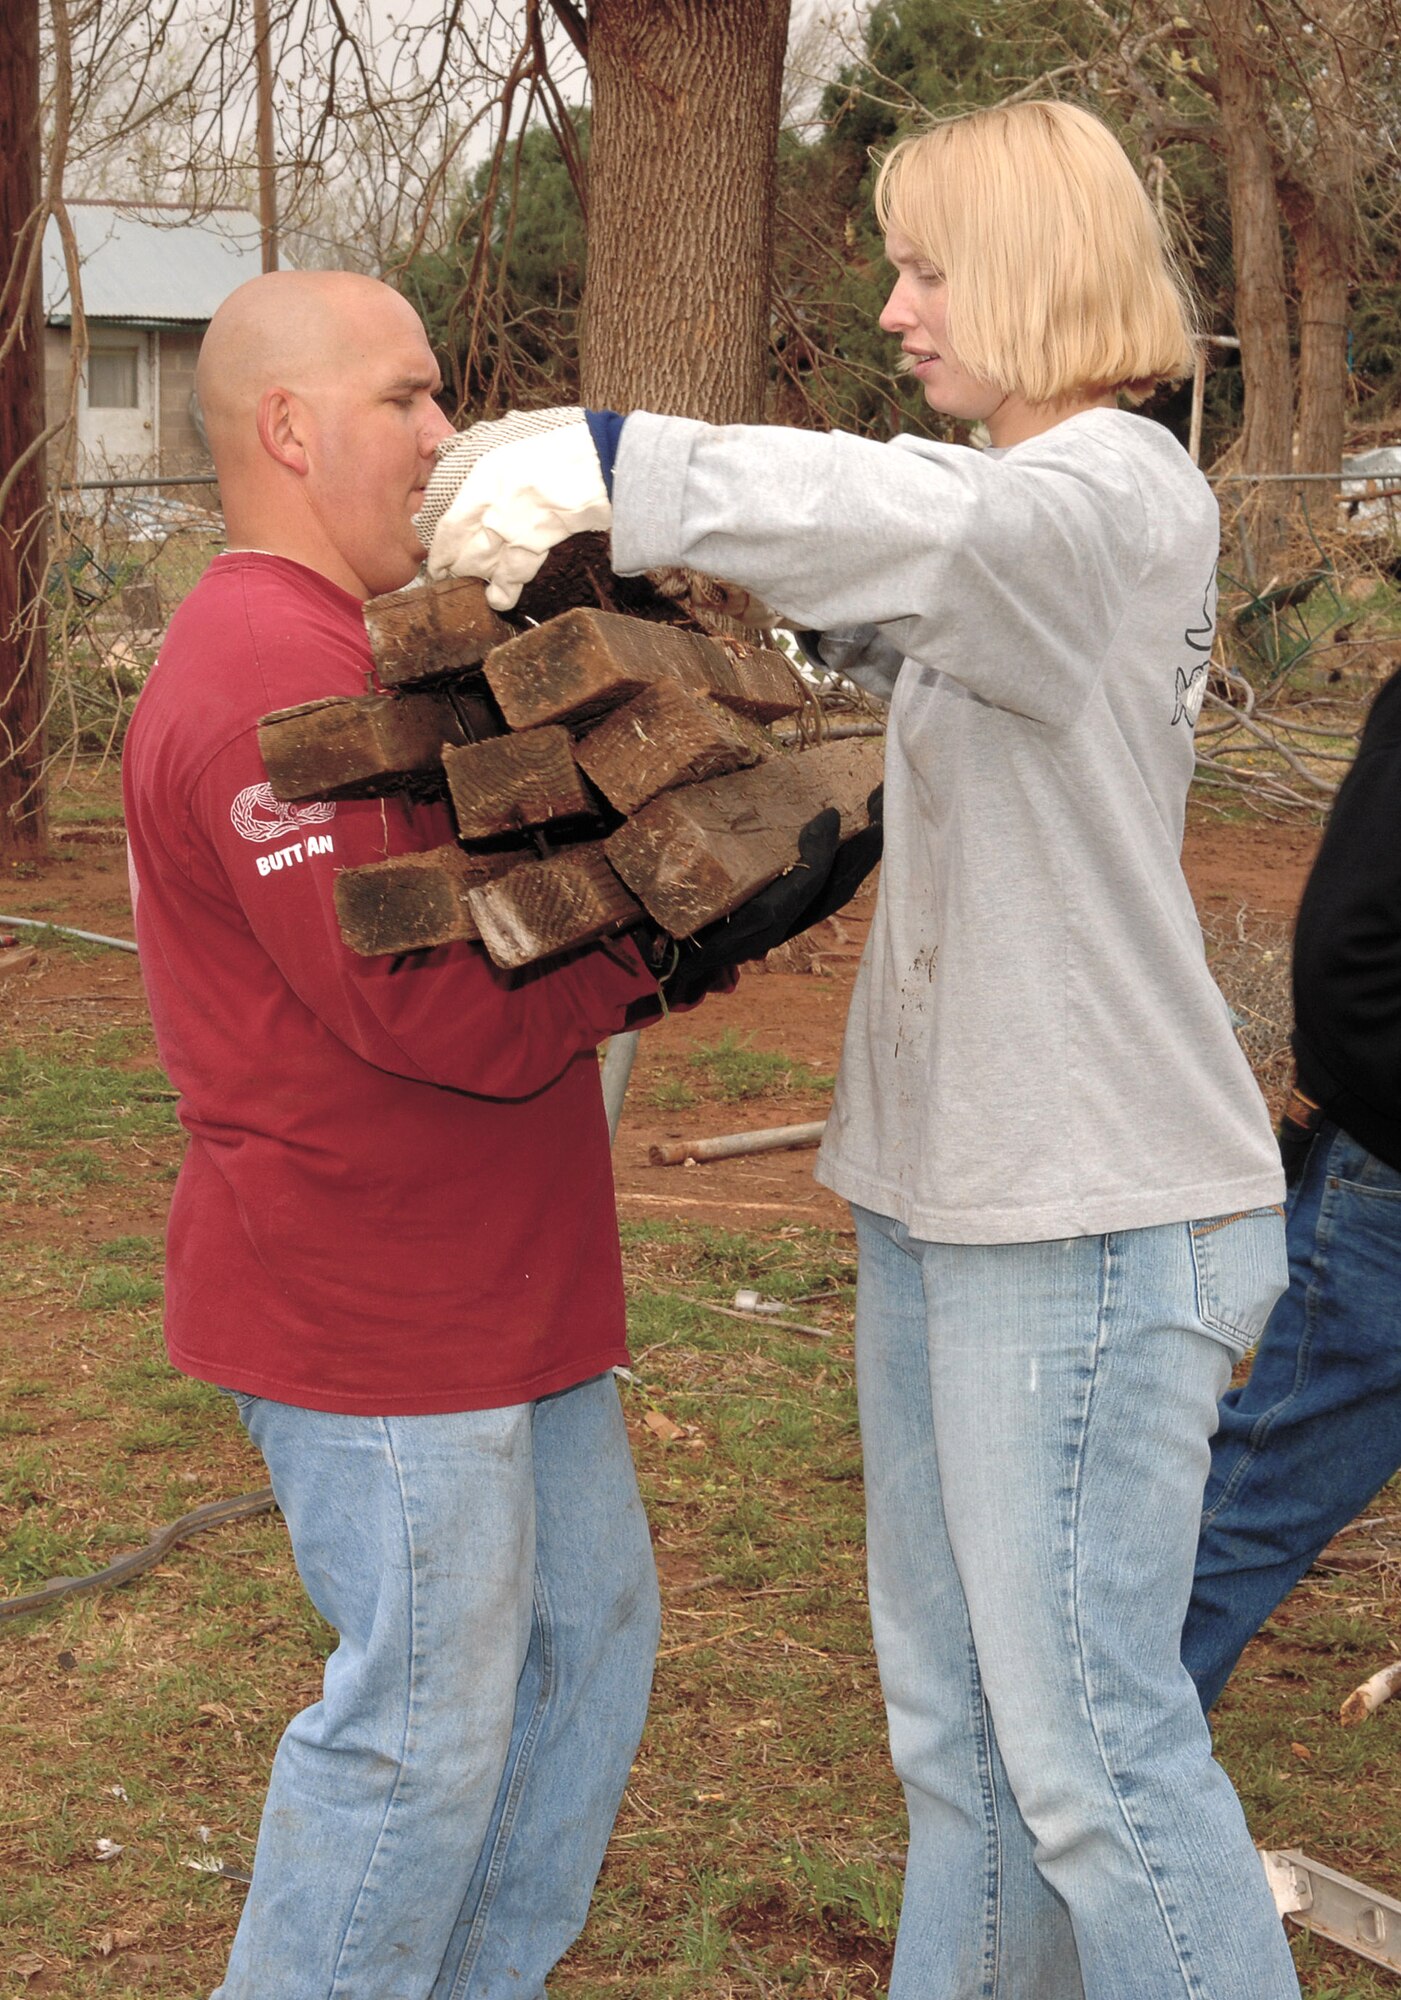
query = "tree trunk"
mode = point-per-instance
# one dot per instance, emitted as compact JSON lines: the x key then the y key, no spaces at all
{"x":1323,"y":237}
{"x":22,"y":537}
{"x":1262,"y":318}
{"x":1322,"y":212}
{"x":681,"y":183}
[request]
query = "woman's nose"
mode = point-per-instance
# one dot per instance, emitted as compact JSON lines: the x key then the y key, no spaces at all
{"x":895,"y":314}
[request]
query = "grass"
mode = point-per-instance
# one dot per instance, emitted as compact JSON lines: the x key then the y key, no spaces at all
{"x":733,"y":1070}
{"x":72,"y":1117}
{"x":758,"y":1848}
{"x":70,"y":810}
{"x":762,"y":1798}
{"x":669,"y":1093}
{"x":761,"y":1818}
{"x":730,"y":1071}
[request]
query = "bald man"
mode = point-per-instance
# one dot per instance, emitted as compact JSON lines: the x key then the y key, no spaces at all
{"x":393,"y":1237}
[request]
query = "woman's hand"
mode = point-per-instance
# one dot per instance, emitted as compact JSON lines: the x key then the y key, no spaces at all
{"x":828,"y":874}
{"x":503,"y":494}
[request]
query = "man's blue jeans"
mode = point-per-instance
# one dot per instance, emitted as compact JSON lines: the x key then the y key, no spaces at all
{"x":1315,"y":1431}
{"x":435,"y":1823}
{"x":1035,"y":1420}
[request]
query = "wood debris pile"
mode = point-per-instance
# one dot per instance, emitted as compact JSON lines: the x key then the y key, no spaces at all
{"x":602,"y":768}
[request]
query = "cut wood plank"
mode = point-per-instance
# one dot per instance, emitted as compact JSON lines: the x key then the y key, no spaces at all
{"x":580,"y":665}
{"x":584,"y":663}
{"x":578,"y":571}
{"x":694,"y":855}
{"x":516,"y":781}
{"x":431,"y":629}
{"x":754,"y":681}
{"x":355,"y":746}
{"x":550,"y":905}
{"x":664,"y":736}
{"x":476,"y":711}
{"x":575,"y":571}
{"x":411,"y":901}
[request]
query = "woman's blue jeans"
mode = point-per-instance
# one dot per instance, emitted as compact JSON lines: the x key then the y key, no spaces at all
{"x":1315,"y":1431}
{"x":1035,"y":1421}
{"x":435,"y":1823}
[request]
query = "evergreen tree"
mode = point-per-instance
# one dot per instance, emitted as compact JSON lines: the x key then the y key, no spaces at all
{"x":512,"y":336}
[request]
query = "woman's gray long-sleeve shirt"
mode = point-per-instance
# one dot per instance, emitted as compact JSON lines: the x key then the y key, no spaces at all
{"x":1035,"y":1047}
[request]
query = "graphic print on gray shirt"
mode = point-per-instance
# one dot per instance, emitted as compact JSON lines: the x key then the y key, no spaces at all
{"x":1035,"y":1047}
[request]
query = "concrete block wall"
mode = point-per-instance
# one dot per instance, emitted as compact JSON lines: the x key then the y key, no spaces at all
{"x":181,"y":449}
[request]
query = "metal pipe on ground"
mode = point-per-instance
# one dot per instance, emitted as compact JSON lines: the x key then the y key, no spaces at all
{"x":774,"y":1139}
{"x":618,"y":1059}
{"x":66,"y":930}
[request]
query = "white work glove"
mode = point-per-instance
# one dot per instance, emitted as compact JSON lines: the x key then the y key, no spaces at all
{"x":503,"y":494}
{"x":731,"y":600}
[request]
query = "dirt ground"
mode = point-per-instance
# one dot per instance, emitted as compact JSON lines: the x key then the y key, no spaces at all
{"x":1294,"y":1767}
{"x":1231,"y":866}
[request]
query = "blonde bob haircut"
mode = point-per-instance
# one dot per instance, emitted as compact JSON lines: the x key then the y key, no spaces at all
{"x":1059,"y":278}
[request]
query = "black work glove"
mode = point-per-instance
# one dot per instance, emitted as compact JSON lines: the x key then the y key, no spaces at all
{"x":808,"y":892}
{"x":851,"y":864}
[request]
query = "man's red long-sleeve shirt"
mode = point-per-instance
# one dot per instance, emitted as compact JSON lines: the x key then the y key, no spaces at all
{"x":397,"y":1196}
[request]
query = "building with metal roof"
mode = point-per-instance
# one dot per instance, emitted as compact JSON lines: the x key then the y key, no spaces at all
{"x":152,"y":277}
{"x":150,"y":266}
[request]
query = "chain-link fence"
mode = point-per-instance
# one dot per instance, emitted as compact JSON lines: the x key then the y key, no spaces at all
{"x":122,"y":555}
{"x":1299,"y":647}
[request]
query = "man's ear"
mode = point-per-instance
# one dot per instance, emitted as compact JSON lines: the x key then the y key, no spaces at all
{"x":280,"y":430}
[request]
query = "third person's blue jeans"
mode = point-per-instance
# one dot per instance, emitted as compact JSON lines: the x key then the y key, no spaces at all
{"x":1313,"y":1434}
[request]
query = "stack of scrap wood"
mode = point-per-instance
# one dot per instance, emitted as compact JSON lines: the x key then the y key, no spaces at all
{"x":603,"y":768}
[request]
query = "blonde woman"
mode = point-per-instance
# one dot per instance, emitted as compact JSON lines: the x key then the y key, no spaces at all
{"x":1063,"y":1178}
